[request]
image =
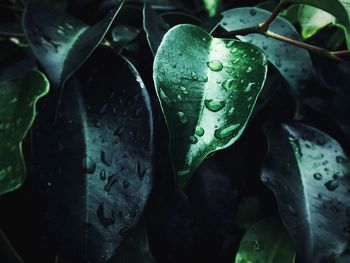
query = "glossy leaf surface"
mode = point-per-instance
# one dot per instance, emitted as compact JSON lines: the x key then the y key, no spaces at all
{"x":207,"y":88}
{"x":18,"y":97}
{"x":309,"y":174}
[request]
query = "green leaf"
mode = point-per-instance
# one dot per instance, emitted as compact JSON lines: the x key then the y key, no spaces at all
{"x":211,"y":6}
{"x":18,"y":98}
{"x":7,"y":252}
{"x":207,"y":88}
{"x":310,"y":176}
{"x":154,"y":26}
{"x":103,"y":143}
{"x":340,"y":9}
{"x":60,"y":42}
{"x":135,"y":248}
{"x":312,"y":19}
{"x":293,"y":63}
{"x":267,"y":241}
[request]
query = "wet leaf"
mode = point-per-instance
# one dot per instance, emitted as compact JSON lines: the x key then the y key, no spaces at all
{"x":293,"y":63}
{"x":60,"y":42}
{"x":340,"y":9}
{"x":266,"y":241}
{"x":103,"y":139}
{"x":207,"y":88}
{"x":18,"y":97}
{"x":309,"y":174}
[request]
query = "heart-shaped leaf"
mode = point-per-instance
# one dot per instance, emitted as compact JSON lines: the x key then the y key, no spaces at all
{"x":338,"y":8}
{"x":207,"y":88}
{"x":293,"y":63}
{"x":18,"y":97}
{"x":102,"y":144}
{"x":310,"y":176}
{"x":267,"y":241}
{"x":60,"y":42}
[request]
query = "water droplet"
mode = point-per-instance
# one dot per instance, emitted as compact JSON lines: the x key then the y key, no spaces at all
{"x":318,"y":176}
{"x":164,"y":97}
{"x":194,"y":76}
{"x":205,"y":79}
{"x":257,"y":245}
{"x":233,"y":50}
{"x":215,"y":65}
{"x":103,"y":175}
{"x":88,"y":165}
{"x":173,"y":65}
{"x":199,"y":131}
{"x":340,"y":159}
{"x":249,"y":87}
{"x":104,"y":159}
{"x":193,"y":139}
{"x":183,"y":172}
{"x":252,"y":12}
{"x":60,"y":31}
{"x":126,"y":184}
{"x":184,"y":90}
{"x":226,"y":131}
{"x":228,"y":84}
{"x":332,"y":185}
{"x":230,"y":111}
{"x":182,"y":117}
{"x":233,"y":62}
{"x":214,"y":105}
{"x":230,"y":44}
{"x":119,"y":131}
{"x":249,"y":69}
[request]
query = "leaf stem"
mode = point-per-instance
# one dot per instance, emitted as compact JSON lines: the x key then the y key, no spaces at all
{"x":264,"y":26}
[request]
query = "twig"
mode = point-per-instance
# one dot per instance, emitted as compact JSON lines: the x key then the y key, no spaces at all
{"x":315,"y":49}
{"x":263,"y":29}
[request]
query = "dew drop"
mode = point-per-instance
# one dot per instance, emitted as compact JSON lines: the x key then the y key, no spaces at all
{"x":103,"y":175}
{"x":257,"y":246}
{"x":193,"y":139}
{"x":249,"y":87}
{"x":249,"y":69}
{"x":230,"y":44}
{"x":226,"y":131}
{"x":252,"y":12}
{"x":318,"y":176}
{"x":199,"y":131}
{"x":233,"y":50}
{"x":182,"y":117}
{"x":215,"y":65}
{"x":214,"y":105}
{"x":332,"y":185}
{"x":340,"y":159}
{"x":164,"y":97}
{"x":184,"y":90}
{"x":194,"y":76}
{"x":227,"y":84}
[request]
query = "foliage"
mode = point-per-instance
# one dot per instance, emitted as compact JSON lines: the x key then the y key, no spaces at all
{"x":174,"y":131}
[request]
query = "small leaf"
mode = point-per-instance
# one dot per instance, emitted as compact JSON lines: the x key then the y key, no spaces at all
{"x":293,"y":63}
{"x":62,"y":43}
{"x":103,"y":143}
{"x":154,"y":26}
{"x":340,"y":9}
{"x":207,"y":88}
{"x":267,"y":241}
{"x":7,"y":252}
{"x":312,"y":19}
{"x":310,"y":176}
{"x":18,"y":98}
{"x":211,"y":6}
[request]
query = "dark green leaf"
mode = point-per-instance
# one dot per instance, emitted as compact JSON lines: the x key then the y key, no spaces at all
{"x":293,"y":63}
{"x":62,"y":43}
{"x":310,"y":176}
{"x":154,"y":26}
{"x":7,"y":252}
{"x":18,"y":97}
{"x":103,"y":143}
{"x":134,"y":249}
{"x":207,"y":88}
{"x":267,"y":241}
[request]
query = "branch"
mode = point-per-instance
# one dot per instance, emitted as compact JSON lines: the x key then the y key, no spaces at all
{"x":263,"y":29}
